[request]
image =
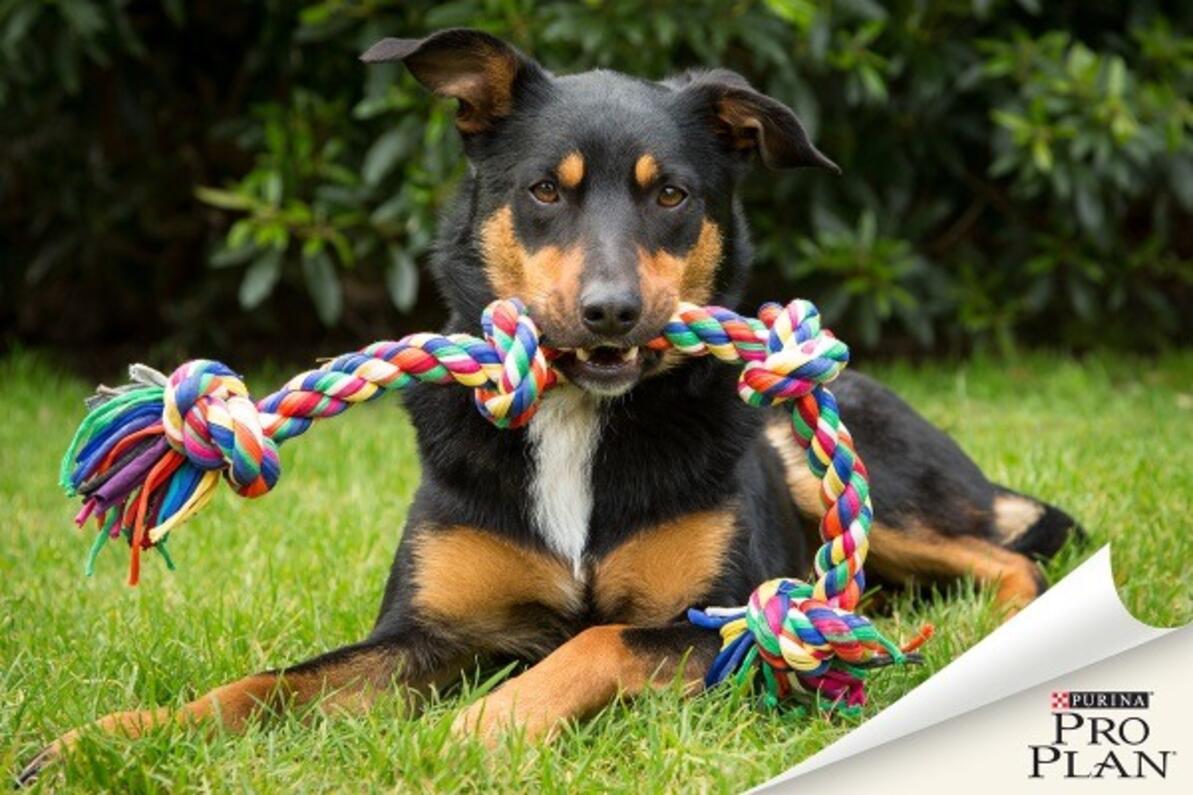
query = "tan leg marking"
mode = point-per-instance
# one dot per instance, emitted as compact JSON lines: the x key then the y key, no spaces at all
{"x":348,"y":685}
{"x":910,"y":554}
{"x":658,"y":572}
{"x":802,"y":484}
{"x":573,"y":682}
{"x":1014,"y":516}
{"x":903,"y":555}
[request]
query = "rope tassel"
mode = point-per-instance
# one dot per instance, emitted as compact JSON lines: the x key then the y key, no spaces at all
{"x":149,"y":455}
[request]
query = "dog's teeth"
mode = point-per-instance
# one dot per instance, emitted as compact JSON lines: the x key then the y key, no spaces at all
{"x":629,"y":354}
{"x":582,"y":354}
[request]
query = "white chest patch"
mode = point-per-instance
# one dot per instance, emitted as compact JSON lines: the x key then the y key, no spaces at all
{"x":563,"y":438}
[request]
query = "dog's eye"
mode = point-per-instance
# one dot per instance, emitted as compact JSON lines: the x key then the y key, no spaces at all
{"x":545,"y":191}
{"x":671,"y":196}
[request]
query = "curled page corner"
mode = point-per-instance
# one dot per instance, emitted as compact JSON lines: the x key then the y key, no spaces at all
{"x":1077,"y":622}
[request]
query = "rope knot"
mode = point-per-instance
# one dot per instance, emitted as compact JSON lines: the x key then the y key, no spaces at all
{"x":525,"y":373}
{"x":800,"y":356}
{"x":208,"y":416}
{"x":802,"y":644}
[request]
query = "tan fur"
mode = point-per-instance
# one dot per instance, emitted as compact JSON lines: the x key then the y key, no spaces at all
{"x":502,"y":253}
{"x":646,"y":170}
{"x":742,"y":126}
{"x":802,"y":484}
{"x":345,"y":686}
{"x":918,"y":553}
{"x":1014,"y":515}
{"x":665,"y":278}
{"x":481,"y":584}
{"x":571,"y":170}
{"x":485,"y":93}
{"x":657,"y":573}
{"x":573,"y":682}
{"x":906,"y":554}
{"x":547,"y":280}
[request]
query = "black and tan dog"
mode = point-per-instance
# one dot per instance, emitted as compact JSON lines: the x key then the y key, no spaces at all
{"x":645,"y":485}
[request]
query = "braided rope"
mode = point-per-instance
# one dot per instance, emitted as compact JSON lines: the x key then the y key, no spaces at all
{"x":149,"y":455}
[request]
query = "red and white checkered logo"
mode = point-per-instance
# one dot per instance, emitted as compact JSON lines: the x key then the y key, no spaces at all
{"x":1060,"y":700}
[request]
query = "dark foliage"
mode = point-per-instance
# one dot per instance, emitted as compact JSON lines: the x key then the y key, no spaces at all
{"x":210,"y":175}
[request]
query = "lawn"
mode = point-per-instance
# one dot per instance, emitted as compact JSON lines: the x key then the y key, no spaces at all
{"x":267,"y":582}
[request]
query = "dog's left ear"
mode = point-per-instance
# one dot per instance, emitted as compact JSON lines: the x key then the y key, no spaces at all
{"x":481,"y":71}
{"x":746,"y":120}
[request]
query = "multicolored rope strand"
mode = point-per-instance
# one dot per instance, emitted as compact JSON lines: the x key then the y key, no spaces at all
{"x":149,"y":455}
{"x":806,"y":634}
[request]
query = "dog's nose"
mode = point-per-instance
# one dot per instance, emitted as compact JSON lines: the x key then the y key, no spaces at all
{"x":610,"y":313}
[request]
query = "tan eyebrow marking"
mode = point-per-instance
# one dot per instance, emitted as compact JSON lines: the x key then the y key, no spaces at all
{"x":571,"y":170}
{"x":646,"y":170}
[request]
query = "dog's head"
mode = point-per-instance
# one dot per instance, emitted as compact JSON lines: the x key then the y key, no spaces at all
{"x":600,"y":200}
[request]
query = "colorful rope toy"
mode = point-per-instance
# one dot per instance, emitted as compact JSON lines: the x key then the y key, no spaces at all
{"x":149,"y":455}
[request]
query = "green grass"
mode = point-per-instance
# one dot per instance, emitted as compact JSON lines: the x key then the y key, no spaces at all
{"x":267,"y":582}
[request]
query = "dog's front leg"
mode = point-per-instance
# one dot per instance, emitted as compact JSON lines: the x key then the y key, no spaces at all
{"x":347,"y":679}
{"x":586,"y":673}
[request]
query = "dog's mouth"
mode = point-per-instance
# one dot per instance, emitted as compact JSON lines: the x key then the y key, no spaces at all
{"x":607,"y":370}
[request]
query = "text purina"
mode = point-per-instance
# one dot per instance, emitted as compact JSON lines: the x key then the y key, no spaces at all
{"x":1108,"y":699}
{"x":1098,"y":746}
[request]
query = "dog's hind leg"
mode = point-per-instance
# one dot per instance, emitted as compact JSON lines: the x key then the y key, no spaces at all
{"x":348,"y":679}
{"x":920,"y":555}
{"x":936,"y":516}
{"x":587,"y":672}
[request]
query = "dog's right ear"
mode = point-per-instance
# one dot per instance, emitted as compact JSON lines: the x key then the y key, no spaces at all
{"x":481,"y":71}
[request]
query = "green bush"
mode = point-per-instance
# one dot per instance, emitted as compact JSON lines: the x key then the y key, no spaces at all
{"x":1014,"y":172}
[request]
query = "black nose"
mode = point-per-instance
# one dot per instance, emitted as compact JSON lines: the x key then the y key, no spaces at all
{"x":610,"y":313}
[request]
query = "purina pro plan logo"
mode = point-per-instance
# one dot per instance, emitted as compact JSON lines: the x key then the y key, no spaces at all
{"x":1099,"y":734}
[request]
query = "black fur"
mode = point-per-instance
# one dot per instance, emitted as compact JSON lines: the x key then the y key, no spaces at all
{"x":681,"y":441}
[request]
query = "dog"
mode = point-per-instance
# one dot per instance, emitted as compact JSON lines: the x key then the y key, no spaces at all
{"x":643,"y":486}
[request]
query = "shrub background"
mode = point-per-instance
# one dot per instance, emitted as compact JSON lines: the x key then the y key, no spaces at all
{"x":190,"y":177}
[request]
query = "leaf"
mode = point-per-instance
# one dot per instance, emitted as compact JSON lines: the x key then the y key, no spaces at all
{"x":389,"y":212}
{"x":873,"y":82}
{"x":272,"y":188}
{"x":227,"y":256}
{"x":260,"y":278}
{"x":323,"y":285}
{"x":1088,"y":203}
{"x":798,"y":12}
{"x":401,"y":279}
{"x":224,"y":199}
{"x":1116,"y":79}
{"x":19,"y":23}
{"x":825,"y":222}
{"x":83,"y":17}
{"x":867,"y":229}
{"x":382,"y":156}
{"x":1041,"y":155}
{"x":1180,"y":178}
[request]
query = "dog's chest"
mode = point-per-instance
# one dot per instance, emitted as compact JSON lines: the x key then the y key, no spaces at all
{"x":563,"y":441}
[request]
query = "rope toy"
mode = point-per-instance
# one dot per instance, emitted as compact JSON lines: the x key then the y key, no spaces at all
{"x":149,"y":455}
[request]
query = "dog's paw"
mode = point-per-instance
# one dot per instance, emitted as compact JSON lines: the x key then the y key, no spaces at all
{"x":485,"y":720}
{"x":508,"y":709}
{"x":48,"y":757}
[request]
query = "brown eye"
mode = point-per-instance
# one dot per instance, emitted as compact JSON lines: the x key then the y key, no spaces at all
{"x":671,"y":196}
{"x":545,"y":191}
